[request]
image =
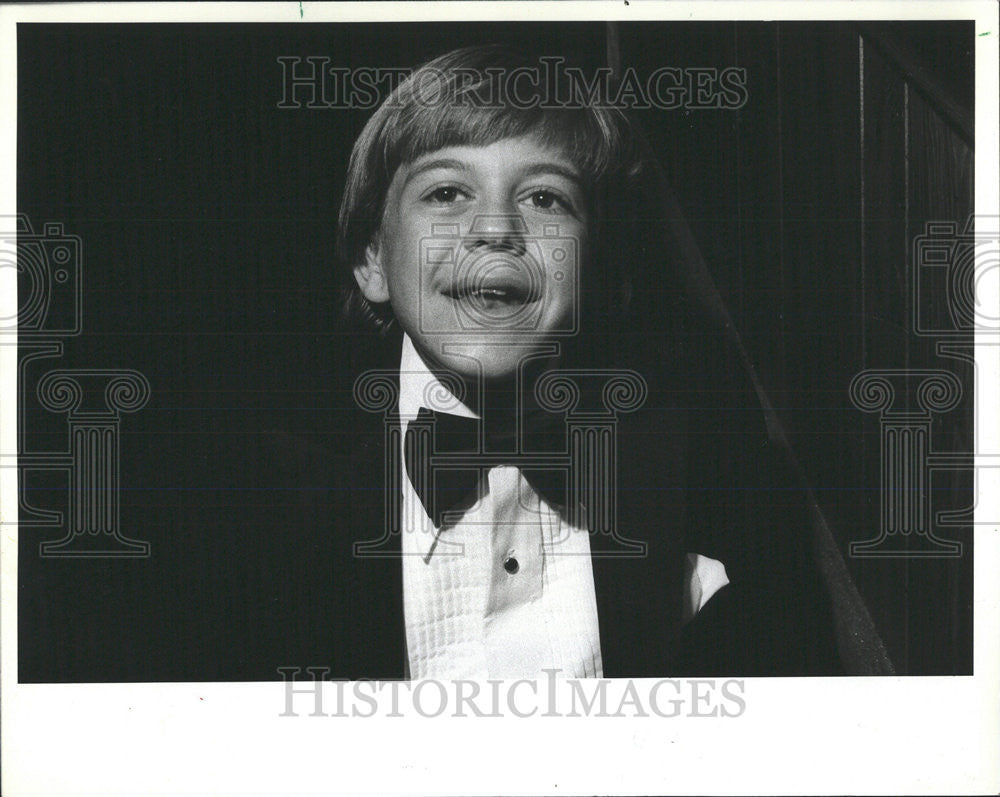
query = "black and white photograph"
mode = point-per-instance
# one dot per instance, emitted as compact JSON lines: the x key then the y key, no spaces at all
{"x":530,"y":370}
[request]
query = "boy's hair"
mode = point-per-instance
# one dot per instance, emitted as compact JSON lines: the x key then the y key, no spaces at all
{"x":451,"y":101}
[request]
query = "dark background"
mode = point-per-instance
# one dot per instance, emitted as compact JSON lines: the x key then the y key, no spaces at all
{"x":207,"y":216}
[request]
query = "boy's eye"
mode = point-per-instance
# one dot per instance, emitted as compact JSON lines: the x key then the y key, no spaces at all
{"x":444,"y":194}
{"x":543,"y":199}
{"x":548,"y":200}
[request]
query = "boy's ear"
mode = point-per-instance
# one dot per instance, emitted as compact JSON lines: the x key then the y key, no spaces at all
{"x":371,"y":277}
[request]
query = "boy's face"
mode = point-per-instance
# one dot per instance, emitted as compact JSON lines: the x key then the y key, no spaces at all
{"x":479,"y":254}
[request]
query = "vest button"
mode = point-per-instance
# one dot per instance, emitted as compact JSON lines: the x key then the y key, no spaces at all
{"x":510,"y":565}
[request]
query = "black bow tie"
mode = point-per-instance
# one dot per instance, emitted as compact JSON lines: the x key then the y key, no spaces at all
{"x":470,"y":451}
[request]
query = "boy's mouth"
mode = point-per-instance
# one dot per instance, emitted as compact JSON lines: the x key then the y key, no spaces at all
{"x":505,"y":290}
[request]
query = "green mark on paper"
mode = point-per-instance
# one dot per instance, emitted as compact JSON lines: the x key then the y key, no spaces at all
{"x":985,"y":33}
{"x":300,"y":9}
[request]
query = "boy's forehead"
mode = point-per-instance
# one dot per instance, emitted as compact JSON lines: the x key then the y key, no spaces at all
{"x":520,"y":155}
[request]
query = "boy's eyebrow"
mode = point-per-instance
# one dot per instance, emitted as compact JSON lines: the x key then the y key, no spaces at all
{"x":531,"y":170}
{"x":437,"y":163}
{"x":549,"y":167}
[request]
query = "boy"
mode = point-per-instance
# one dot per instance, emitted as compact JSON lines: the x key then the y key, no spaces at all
{"x":490,"y":243}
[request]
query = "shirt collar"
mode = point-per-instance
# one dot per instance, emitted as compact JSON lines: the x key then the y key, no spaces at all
{"x":419,"y":387}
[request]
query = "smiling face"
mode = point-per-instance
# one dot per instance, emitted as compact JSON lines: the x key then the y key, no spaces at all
{"x":479,"y":254}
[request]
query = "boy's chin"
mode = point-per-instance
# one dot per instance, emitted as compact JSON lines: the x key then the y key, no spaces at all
{"x":494,"y":361}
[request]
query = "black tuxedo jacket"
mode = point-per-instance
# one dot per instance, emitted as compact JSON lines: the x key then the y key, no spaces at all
{"x":708,"y":481}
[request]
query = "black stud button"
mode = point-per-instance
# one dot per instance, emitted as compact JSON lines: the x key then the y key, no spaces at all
{"x":510,"y":565}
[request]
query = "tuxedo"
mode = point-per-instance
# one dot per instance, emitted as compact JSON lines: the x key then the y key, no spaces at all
{"x":685,"y":484}
{"x":237,"y":587}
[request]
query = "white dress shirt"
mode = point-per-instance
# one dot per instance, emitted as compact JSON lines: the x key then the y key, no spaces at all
{"x":508,"y":590}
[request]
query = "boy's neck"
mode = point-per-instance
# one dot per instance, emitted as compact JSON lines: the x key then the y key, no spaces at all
{"x":483,"y":397}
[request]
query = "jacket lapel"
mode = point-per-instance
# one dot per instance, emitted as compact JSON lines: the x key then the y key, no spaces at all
{"x":639,"y":595}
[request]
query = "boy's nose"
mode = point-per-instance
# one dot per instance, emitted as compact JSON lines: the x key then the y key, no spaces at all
{"x":505,"y":231}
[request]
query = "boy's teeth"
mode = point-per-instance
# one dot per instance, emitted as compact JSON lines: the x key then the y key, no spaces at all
{"x":489,"y":293}
{"x":494,"y":293}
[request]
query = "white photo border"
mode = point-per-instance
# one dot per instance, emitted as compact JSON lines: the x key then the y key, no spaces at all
{"x":796,"y":736}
